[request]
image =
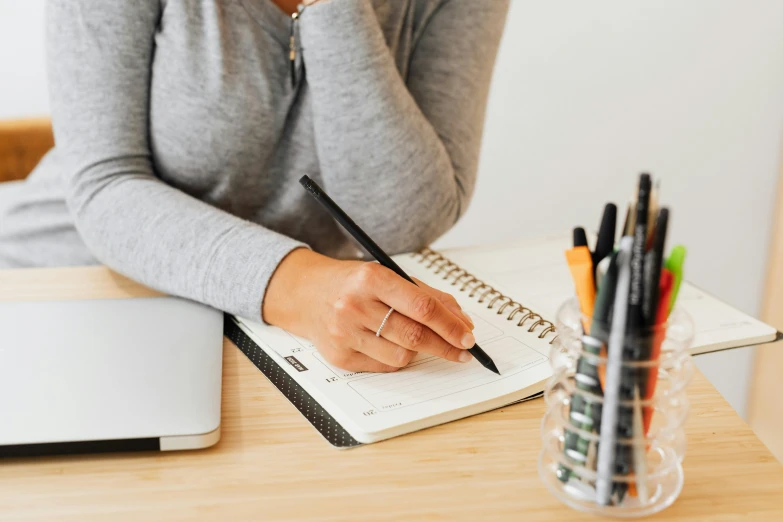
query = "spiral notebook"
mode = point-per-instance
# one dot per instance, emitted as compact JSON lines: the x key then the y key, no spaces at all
{"x":537,"y":272}
{"x":511,"y":293}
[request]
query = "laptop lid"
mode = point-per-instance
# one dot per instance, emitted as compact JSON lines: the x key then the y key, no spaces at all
{"x":109,"y":375}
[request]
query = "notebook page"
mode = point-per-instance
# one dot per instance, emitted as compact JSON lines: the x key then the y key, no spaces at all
{"x":428,"y":391}
{"x":718,"y":325}
{"x":533,"y":272}
{"x":536,"y":274}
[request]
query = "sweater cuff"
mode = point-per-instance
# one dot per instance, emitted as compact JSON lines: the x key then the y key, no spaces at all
{"x":241,"y":267}
{"x":346,"y":31}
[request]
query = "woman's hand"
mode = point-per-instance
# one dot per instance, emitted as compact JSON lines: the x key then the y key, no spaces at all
{"x":339,"y":306}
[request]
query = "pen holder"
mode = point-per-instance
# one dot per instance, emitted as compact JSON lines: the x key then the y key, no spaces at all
{"x":644,"y":473}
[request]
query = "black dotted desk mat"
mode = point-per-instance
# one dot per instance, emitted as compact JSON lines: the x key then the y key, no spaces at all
{"x":331,"y":430}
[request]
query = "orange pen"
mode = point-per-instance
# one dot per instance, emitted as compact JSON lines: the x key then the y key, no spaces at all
{"x":580,"y":262}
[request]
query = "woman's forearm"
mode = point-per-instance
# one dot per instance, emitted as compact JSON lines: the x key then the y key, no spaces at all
{"x":378,"y":153}
{"x":170,"y":241}
{"x":99,"y":67}
{"x":400,"y":155}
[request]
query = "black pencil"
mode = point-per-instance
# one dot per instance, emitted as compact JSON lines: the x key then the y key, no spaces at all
{"x":382,"y":257}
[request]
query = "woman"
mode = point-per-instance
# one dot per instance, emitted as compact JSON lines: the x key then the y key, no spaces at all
{"x":181,"y":131}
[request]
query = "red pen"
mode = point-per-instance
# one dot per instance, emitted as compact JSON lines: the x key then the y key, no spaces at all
{"x":666,"y":283}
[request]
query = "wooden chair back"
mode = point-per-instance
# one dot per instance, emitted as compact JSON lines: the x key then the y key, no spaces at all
{"x":22,"y":145}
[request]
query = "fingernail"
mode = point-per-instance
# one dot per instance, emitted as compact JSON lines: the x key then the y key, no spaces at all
{"x":468,"y":319}
{"x":468,"y":340}
{"x":465,"y":356}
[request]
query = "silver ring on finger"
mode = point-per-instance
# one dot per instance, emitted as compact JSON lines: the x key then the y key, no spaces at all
{"x":383,"y":323}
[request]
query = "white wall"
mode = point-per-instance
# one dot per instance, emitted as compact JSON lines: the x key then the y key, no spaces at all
{"x":22,"y":71}
{"x":587,"y":95}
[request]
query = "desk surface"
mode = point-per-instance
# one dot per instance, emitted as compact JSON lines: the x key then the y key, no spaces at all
{"x":271,"y":465}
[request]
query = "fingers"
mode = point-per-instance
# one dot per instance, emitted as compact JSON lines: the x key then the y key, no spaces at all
{"x":425,"y":320}
{"x":406,"y":334}
{"x":354,"y":361}
{"x":420,"y":305}
{"x":385,"y":351}
{"x":348,"y":358}
{"x":449,"y":302}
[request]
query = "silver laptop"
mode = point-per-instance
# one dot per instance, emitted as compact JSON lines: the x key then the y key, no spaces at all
{"x":109,"y":375}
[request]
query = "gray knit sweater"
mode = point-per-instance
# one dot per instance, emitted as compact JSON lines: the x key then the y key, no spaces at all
{"x":180,"y":137}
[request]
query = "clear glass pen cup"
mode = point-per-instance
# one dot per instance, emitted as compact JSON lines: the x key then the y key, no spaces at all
{"x":642,"y":474}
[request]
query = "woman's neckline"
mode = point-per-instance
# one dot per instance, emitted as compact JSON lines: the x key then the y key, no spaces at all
{"x":279,"y":8}
{"x":268,"y":15}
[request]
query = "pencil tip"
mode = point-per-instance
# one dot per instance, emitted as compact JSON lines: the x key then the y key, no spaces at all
{"x":491,"y":366}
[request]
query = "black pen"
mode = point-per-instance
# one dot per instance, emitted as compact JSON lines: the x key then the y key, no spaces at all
{"x":636,"y":297}
{"x":580,"y":237}
{"x":382,"y":257}
{"x":606,"y":233}
{"x":637,"y":348}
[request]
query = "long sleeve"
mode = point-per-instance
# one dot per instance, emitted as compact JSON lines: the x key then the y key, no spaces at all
{"x":100,"y":60}
{"x":401,"y":155}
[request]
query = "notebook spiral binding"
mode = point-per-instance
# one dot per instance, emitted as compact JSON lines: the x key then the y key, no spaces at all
{"x":484,"y":293}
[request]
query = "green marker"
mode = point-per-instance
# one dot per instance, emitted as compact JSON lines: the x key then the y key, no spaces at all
{"x":674,"y":265}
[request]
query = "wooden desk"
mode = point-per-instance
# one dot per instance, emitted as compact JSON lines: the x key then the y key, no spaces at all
{"x":271,"y":465}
